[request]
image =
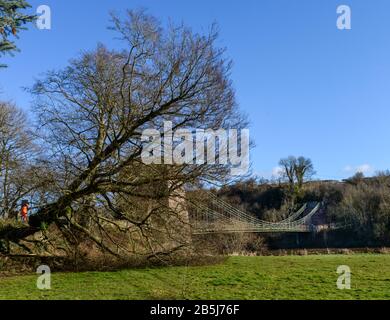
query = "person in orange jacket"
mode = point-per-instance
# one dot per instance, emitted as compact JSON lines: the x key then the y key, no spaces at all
{"x":24,"y":211}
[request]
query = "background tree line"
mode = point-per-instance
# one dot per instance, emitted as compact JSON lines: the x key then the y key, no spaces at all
{"x":359,"y":204}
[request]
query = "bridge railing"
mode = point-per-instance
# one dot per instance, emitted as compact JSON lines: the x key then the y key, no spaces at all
{"x":220,"y":216}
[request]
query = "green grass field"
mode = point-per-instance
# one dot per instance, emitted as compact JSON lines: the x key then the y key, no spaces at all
{"x":289,"y":277}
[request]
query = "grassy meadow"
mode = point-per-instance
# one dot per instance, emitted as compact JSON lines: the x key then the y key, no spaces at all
{"x":253,"y":278}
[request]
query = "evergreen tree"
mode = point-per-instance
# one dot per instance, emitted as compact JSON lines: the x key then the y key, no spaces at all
{"x":12,"y":21}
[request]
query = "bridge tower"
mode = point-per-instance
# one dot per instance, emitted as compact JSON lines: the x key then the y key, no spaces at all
{"x":179,"y":221}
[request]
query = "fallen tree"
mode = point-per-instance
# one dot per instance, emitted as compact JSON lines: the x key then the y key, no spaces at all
{"x":91,"y":116}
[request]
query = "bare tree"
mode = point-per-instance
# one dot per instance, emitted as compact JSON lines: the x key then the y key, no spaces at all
{"x":296,"y":171}
{"x":304,"y":170}
{"x":92,"y":115}
{"x":288,"y":167}
{"x":16,"y":153}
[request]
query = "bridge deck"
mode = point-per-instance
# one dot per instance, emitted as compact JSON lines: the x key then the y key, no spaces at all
{"x":218,"y":216}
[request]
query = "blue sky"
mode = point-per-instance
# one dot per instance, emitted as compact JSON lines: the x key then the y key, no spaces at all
{"x":308,"y":88}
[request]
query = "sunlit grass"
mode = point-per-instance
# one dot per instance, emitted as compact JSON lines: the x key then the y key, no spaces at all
{"x":290,"y":277}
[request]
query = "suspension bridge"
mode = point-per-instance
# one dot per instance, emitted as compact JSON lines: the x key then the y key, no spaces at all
{"x":213,"y":215}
